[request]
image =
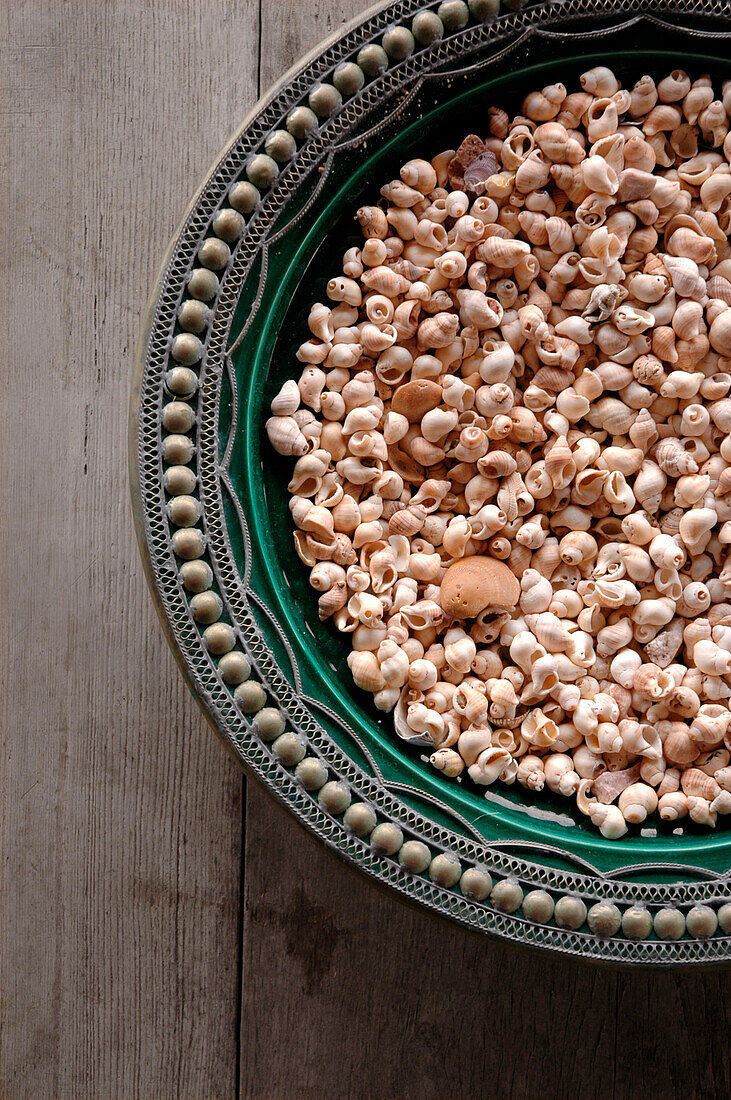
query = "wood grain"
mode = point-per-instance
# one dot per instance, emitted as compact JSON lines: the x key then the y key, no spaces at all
{"x":351,"y":992}
{"x":120,"y":813}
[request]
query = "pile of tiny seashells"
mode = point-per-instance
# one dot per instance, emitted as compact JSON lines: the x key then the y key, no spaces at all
{"x":513,"y":444}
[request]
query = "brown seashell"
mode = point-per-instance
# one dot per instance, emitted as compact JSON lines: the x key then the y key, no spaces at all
{"x":416,"y":398}
{"x":560,"y":464}
{"x":573,"y":107}
{"x":634,"y":184}
{"x":612,"y":415}
{"x":673,"y":459}
{"x":408,"y":521}
{"x":552,"y":379}
{"x":720,"y":333}
{"x":684,"y":140}
{"x":662,"y":118}
{"x":426,"y":453}
{"x":663,"y":344}
{"x":678,"y":746}
{"x":412,"y":272}
{"x":471,"y":148}
{"x":695,"y":782}
{"x":718,"y":287}
{"x":405,"y":466}
{"x":645,"y":210}
{"x":384,"y":280}
{"x":479,"y":171}
{"x":685,"y":242}
{"x":643,"y":432}
{"x":474,"y":583}
{"x":501,"y":252}
{"x":332,"y":600}
{"x":438,"y":331}
{"x":497,"y":464}
{"x":419,"y":174}
{"x":373,"y":222}
{"x":499,"y":122}
{"x":346,"y":515}
{"x":400,"y":194}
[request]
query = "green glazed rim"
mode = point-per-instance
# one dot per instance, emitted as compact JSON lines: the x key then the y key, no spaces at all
{"x":484,"y":855}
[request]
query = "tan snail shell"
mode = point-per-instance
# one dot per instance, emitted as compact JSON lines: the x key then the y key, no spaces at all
{"x":474,"y":583}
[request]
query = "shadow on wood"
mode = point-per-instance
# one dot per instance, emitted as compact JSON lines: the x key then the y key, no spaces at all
{"x":352,"y":992}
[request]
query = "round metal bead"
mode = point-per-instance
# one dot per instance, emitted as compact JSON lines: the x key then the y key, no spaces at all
{"x":186,"y":349}
{"x":386,"y":839}
{"x":262,"y":170}
{"x":189,"y":543}
{"x":360,"y":819}
{"x":214,"y":253}
{"x":701,"y":921}
{"x":280,"y":146}
{"x":506,"y":896}
{"x":197,"y":576}
{"x":399,"y":43}
{"x":538,"y":906}
{"x":234,"y":668}
{"x":454,"y":14}
{"x":219,"y":638}
{"x":334,"y":797}
{"x":250,"y":696}
{"x":177,"y":416}
{"x":724,"y":918}
{"x":268,"y":723}
{"x":228,"y":224}
{"x":373,"y":60}
{"x":243,"y":196}
{"x":483,"y":10}
{"x":290,"y":748}
{"x":348,"y":78}
{"x":637,"y":923}
{"x":414,"y":856}
{"x":178,"y":449}
{"x":184,"y":511}
{"x":324,"y":99}
{"x":179,"y":480}
{"x":311,"y":773}
{"x":194,"y":316}
{"x":427,"y":27}
{"x":181,"y":381}
{"x":301,"y":122}
{"x":569,"y":913}
{"x":207,"y":607}
{"x":476,"y":883}
{"x":669,"y":924}
{"x":604,"y":919}
{"x":445,"y":869}
{"x":203,"y":284}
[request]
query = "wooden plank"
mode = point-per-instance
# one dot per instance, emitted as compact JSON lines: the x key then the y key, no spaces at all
{"x":292,"y":28}
{"x":120,"y":813}
{"x":353,"y":993}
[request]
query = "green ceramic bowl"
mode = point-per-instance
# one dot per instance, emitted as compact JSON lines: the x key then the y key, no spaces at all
{"x":258,"y":321}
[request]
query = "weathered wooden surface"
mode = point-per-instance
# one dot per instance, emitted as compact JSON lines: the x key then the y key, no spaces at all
{"x":121,"y":815}
{"x":351,"y":992}
{"x":124,"y":890}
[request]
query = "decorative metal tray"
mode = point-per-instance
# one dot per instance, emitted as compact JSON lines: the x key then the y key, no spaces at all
{"x":271,"y":677}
